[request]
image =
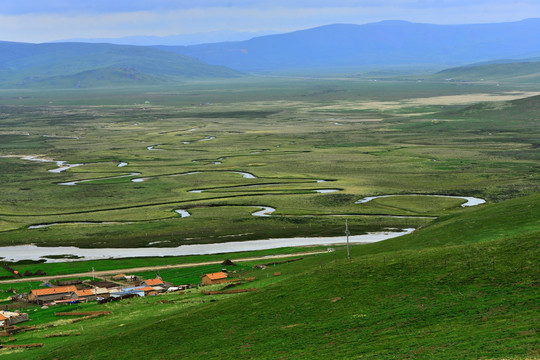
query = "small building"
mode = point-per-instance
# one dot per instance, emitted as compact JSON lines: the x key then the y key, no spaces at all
{"x":102,"y":292}
{"x":178,"y":288}
{"x":152,"y":282}
{"x":148,"y":291}
{"x":127,"y":293}
{"x":52,"y":293}
{"x":12,"y":318}
{"x":159,"y":289}
{"x":87,"y":294}
{"x":214,"y":278}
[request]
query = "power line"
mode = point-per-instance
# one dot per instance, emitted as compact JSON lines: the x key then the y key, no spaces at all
{"x":347,"y":233}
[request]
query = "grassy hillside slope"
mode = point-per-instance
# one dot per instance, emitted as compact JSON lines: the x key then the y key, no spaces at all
{"x":37,"y":65}
{"x":526,"y":71}
{"x":477,"y":225}
{"x":475,"y":300}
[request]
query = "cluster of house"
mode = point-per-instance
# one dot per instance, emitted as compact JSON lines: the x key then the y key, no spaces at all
{"x":104,"y":291}
{"x":12,"y":318}
{"x":71,"y":291}
{"x":100,"y":291}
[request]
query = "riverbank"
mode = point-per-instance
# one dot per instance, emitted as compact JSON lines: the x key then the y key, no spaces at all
{"x":68,"y":253}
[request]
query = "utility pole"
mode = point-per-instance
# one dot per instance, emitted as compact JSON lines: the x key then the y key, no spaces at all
{"x":93,"y":278}
{"x":347,"y":233}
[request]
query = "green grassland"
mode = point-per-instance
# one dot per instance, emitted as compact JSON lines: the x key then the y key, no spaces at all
{"x":71,"y":267}
{"x":463,"y":286}
{"x":519,"y":71}
{"x":456,"y":289}
{"x":363,"y":138}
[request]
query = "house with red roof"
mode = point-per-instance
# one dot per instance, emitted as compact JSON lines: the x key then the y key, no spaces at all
{"x":214,"y":278}
{"x":2,"y":320}
{"x":52,"y":293}
{"x":11,"y":318}
{"x":86,"y":294}
{"x":148,"y":290}
{"x":152,"y":282}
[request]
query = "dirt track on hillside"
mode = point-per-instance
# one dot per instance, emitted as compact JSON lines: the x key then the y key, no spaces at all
{"x":152,"y":268}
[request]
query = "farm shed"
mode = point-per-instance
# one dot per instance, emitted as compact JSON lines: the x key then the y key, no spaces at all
{"x":12,"y":318}
{"x":159,"y":289}
{"x":152,"y":282}
{"x":214,"y":278}
{"x":127,"y":293}
{"x":148,"y":291}
{"x":52,"y":293}
{"x":178,"y":288}
{"x":87,"y":294}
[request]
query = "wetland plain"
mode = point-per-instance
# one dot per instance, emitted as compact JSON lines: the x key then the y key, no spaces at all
{"x":142,"y":159}
{"x":206,"y":167}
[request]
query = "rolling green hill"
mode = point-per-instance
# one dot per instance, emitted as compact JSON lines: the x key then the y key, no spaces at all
{"x":524,"y":71}
{"x":103,"y":77}
{"x":87,"y":65}
{"x":463,"y":288}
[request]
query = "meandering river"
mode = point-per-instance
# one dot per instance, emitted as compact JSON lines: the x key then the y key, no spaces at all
{"x":32,"y":252}
{"x":62,"y":165}
{"x":469,"y":201}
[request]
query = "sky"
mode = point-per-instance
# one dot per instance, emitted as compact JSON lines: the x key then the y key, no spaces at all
{"x":38,"y":21}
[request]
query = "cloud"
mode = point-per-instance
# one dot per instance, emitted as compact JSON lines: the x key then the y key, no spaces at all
{"x":126,"y":6}
{"x":33,"y":21}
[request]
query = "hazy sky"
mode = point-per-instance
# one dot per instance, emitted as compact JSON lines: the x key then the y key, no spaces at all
{"x":48,"y":20}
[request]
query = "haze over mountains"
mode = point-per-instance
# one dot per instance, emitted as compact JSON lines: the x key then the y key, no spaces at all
{"x":67,"y":64}
{"x":338,"y":47}
{"x":382,"y":43}
{"x":175,"y":40}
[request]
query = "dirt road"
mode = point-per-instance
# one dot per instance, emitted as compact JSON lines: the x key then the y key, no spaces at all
{"x":152,"y":268}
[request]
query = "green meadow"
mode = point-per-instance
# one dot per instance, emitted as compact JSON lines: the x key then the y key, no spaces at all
{"x":464,"y":285}
{"x":459,"y":288}
{"x":221,"y":150}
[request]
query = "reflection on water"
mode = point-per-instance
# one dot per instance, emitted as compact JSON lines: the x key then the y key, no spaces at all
{"x":32,"y":252}
{"x":183,"y":213}
{"x":469,"y":201}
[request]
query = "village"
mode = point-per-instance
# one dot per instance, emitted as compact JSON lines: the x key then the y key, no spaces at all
{"x":67,"y":295}
{"x":118,"y":287}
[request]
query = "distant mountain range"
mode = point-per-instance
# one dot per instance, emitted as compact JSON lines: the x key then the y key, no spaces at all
{"x":386,"y":43}
{"x":184,"y":39}
{"x":377,"y":46}
{"x":90,"y":65}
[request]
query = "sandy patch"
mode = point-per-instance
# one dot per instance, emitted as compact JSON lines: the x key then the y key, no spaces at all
{"x":472,"y":98}
{"x":429,"y":101}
